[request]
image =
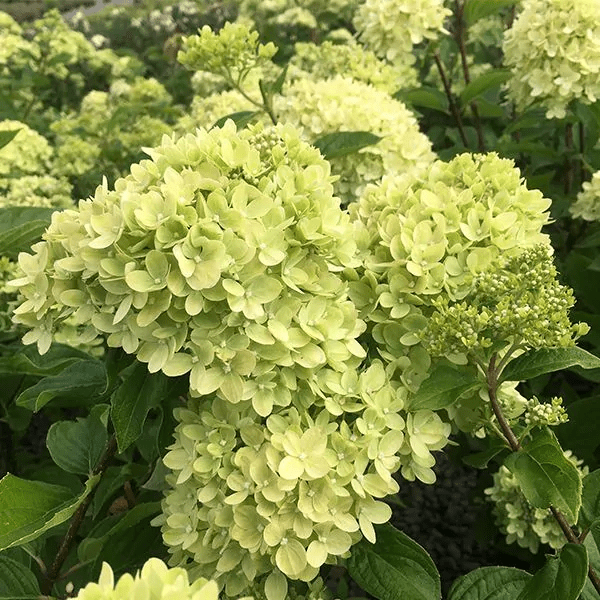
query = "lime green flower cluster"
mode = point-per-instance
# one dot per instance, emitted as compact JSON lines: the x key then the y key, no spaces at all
{"x":105,"y":136}
{"x":587,"y":205}
{"x":392,"y":27}
{"x":8,"y":271}
{"x":517,"y":301}
{"x":295,"y":490}
{"x":28,"y":153}
{"x":235,"y":238}
{"x":155,"y":581}
{"x":518,"y":520}
{"x":553,"y":51}
{"x":342,"y":104}
{"x":35,"y":190}
{"x":350,"y":60}
{"x":428,"y":237}
{"x":231,"y":53}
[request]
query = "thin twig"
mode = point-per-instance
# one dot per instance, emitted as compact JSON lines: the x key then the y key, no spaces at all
{"x":451,"y":103}
{"x":460,"y":40}
{"x":77,"y":520}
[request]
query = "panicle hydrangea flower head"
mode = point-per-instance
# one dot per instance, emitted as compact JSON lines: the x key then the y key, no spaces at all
{"x":515,"y":301}
{"x":587,"y":205}
{"x":350,"y":60}
{"x":232,"y":52}
{"x":28,"y":153}
{"x":292,"y":491}
{"x":219,"y":257}
{"x":518,"y":520}
{"x":155,"y":581}
{"x":553,"y":51}
{"x":8,"y":24}
{"x":35,"y":190}
{"x":342,"y":104}
{"x":427,"y":237}
{"x":392,"y":27}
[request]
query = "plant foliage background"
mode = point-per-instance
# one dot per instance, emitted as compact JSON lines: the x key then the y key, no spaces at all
{"x":276,"y":277}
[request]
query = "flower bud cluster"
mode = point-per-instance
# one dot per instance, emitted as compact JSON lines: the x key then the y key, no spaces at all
{"x":427,"y":237}
{"x":342,"y":104}
{"x":155,"y":581}
{"x":231,"y":53}
{"x":587,"y":205}
{"x":539,"y":414}
{"x":35,"y":190}
{"x":392,"y":27}
{"x":350,"y":60}
{"x":553,"y":51}
{"x":292,"y":491}
{"x":517,"y":300}
{"x":517,"y":519}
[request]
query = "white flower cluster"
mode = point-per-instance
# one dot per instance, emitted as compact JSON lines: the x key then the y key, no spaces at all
{"x":527,"y":526}
{"x":342,"y":104}
{"x":392,"y":27}
{"x":553,"y":51}
{"x":28,"y":153}
{"x":350,"y":60}
{"x":587,"y":205}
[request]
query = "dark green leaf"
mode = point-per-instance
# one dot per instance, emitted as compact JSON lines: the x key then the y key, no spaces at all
{"x":478,"y":9}
{"x":487,"y":81}
{"x":76,"y":446}
{"x":30,"y":508}
{"x":425,"y":97}
{"x":28,"y":361}
{"x":481,"y":459}
{"x":580,"y":432}
{"x":394,"y":568}
{"x":489,"y":583}
{"x":139,"y":392}
{"x":22,"y":226}
{"x":546,"y":476}
{"x":92,"y":545}
{"x":341,"y":143}
{"x":7,"y":136}
{"x":561,"y":578}
{"x":443,"y":387}
{"x":590,"y":500}
{"x":16,"y":580}
{"x":82,"y":379}
{"x":241,"y":119}
{"x":548,"y":360}
{"x":274,"y":87}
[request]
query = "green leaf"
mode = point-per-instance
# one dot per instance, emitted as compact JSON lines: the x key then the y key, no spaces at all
{"x":91,"y":547}
{"x":443,"y":387}
{"x":394,"y":568}
{"x":76,"y":446}
{"x":590,"y":500}
{"x":30,"y":508}
{"x":589,"y":592}
{"x":28,"y":361}
{"x":342,"y":143}
{"x":139,"y":392}
{"x":83,"y":379}
{"x":489,"y":583}
{"x":561,"y":578}
{"x":7,"y":136}
{"x":546,"y":476}
{"x":478,"y":9}
{"x":22,"y":226}
{"x":425,"y":97}
{"x":16,"y":580}
{"x":548,"y":360}
{"x":487,"y":81}
{"x":269,"y":88}
{"x":241,"y":118}
{"x":580,"y":433}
